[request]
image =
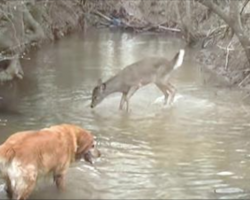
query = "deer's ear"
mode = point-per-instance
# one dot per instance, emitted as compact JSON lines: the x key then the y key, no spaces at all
{"x":103,"y":86}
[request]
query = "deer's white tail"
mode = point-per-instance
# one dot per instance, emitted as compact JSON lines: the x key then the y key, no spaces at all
{"x":180,"y":59}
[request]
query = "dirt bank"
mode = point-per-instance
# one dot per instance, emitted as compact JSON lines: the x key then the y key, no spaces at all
{"x":26,"y":24}
{"x":30,"y":23}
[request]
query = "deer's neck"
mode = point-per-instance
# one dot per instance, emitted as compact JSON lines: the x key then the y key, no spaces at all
{"x":113,"y":85}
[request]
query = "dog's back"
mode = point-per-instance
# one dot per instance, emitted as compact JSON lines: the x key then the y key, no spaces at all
{"x":42,"y":149}
{"x":23,"y":157}
{"x":7,"y":152}
{"x":26,"y":155}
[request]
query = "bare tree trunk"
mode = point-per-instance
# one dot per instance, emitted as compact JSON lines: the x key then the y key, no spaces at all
{"x":13,"y":38}
{"x":233,"y":20}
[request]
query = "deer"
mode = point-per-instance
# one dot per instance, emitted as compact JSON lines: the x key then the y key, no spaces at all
{"x":149,"y":70}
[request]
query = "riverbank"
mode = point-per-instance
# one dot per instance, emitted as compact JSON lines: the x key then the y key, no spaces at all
{"x":26,"y":25}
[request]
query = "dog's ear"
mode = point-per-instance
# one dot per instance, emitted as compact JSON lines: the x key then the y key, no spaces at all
{"x":84,"y":142}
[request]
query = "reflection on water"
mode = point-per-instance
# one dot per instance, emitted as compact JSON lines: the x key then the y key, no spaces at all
{"x":198,"y":148}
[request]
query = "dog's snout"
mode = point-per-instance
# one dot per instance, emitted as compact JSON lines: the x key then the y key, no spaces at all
{"x":91,"y":106}
{"x":88,"y":157}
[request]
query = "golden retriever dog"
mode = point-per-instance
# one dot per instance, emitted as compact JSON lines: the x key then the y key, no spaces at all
{"x":27,"y":155}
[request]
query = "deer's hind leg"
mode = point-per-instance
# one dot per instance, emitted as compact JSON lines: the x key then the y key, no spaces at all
{"x":168,"y":90}
{"x":171,"y":91}
{"x":163,"y":90}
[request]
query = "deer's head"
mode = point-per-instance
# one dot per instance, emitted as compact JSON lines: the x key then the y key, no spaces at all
{"x":98,"y":94}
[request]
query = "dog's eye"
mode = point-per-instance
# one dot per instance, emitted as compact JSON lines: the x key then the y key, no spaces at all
{"x":94,"y":144}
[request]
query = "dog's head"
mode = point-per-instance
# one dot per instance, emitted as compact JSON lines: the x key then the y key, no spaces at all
{"x":86,"y":146}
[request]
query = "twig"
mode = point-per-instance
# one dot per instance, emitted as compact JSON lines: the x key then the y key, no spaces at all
{"x":244,"y":5}
{"x":244,"y":107}
{"x":226,"y":63}
{"x":225,"y":48}
{"x":240,"y":84}
{"x":245,"y":97}
{"x":215,"y":29}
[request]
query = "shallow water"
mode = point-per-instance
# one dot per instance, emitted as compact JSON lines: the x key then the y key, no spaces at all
{"x":198,"y":148}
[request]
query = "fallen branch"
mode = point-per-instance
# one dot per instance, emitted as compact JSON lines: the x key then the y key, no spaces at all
{"x":128,"y":25}
{"x":168,"y":29}
{"x":102,"y":15}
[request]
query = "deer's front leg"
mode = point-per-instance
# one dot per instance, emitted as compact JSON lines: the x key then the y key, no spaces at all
{"x":169,"y":92}
{"x":123,"y":99}
{"x":131,"y":92}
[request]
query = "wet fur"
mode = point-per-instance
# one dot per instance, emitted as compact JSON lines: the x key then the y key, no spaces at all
{"x":26,"y":156}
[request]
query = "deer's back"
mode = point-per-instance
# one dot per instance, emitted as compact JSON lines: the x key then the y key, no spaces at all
{"x":144,"y":71}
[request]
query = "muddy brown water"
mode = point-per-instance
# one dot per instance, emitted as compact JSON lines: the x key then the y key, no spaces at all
{"x":198,"y":148}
